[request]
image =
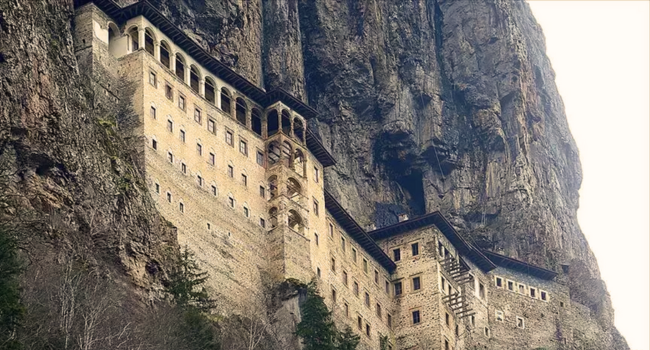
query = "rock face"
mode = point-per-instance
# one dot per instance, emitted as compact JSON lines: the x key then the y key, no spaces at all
{"x":426,"y":105}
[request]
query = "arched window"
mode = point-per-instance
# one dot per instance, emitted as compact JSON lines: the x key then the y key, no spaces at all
{"x":165,"y":54}
{"x":273,"y":217}
{"x":286,"y":122}
{"x":298,"y":129}
{"x":295,"y":221}
{"x":273,"y":186}
{"x":209,"y":90}
{"x":149,"y":42}
{"x":256,"y":121}
{"x":194,"y":79}
{"x":294,"y":190}
{"x":225,"y":100}
{"x":299,"y":163}
{"x":113,"y":35}
{"x":240,"y":110}
{"x":287,"y":152}
{"x":134,"y":38}
{"x":272,"y":123}
{"x":180,"y":66}
{"x":274,"y":153}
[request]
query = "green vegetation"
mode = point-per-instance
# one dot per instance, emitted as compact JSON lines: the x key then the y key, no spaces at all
{"x":317,"y":329}
{"x":11,"y":309}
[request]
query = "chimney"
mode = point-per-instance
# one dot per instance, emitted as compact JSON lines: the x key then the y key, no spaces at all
{"x":403,"y":217}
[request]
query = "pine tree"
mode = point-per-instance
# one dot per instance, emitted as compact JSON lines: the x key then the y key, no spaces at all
{"x":186,"y":284}
{"x":347,"y":340}
{"x":316,"y":329}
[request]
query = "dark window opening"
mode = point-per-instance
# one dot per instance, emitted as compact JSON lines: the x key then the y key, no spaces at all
{"x":272,"y":123}
{"x":209,"y":91}
{"x":180,"y":68}
{"x":225,"y":100}
{"x":286,"y":122}
{"x":256,"y":121}
{"x":240,"y":110}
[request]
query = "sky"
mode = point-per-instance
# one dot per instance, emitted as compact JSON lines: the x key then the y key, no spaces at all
{"x":599,"y":51}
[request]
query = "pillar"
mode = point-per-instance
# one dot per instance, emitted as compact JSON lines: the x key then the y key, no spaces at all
{"x":156,"y":51}
{"x":172,"y":61}
{"x":186,"y":79}
{"x":140,"y":38}
{"x":202,"y":87}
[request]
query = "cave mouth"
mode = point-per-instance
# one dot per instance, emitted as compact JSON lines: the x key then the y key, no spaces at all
{"x":413,"y":190}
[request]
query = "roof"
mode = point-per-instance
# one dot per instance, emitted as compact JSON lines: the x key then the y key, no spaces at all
{"x":436,"y":218}
{"x":357,"y":233}
{"x":174,"y":33}
{"x":518,"y":265}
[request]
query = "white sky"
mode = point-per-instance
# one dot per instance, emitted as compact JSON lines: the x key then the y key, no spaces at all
{"x":599,"y":51}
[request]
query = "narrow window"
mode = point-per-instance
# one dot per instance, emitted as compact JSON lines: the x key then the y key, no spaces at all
{"x":333,"y":265}
{"x":415,"y":249}
{"x":262,"y":222}
{"x":398,"y":288}
{"x":346,"y":307}
{"x":169,"y":197}
{"x":243,"y":147}
{"x":211,"y":158}
{"x":376,"y":277}
{"x":152,"y":78}
{"x":182,"y":136}
{"x":511,"y":286}
{"x":543,"y":295}
{"x":181,"y":207}
{"x":154,"y":144}
{"x":359,"y":322}
{"x":318,"y":272}
{"x":472,"y":320}
{"x":389,"y":320}
{"x":199,"y":149}
{"x":378,"y":308}
{"x":331,"y":230}
{"x":522,"y":288}
{"x":231,"y":171}
{"x":246,"y":212}
{"x":152,"y":112}
{"x":355,"y":288}
{"x":169,"y":92}
{"x":170,"y":126}
{"x":229,"y":138}
{"x":481,"y":291}
{"x":209,"y":226}
{"x":520,"y":322}
{"x":368,"y":330}
{"x":442,"y":284}
{"x":345,"y":278}
{"x":231,"y":201}
{"x":416,"y":316}
{"x":440,"y":248}
{"x":214,"y":190}
{"x":447,"y":344}
{"x":262,"y":192}
{"x":316,"y":174}
{"x":486,"y":331}
{"x":354,"y":255}
{"x":416,"y":283}
{"x":170,"y":157}
{"x":533,"y":292}
{"x":260,"y":158}
{"x":316,"y":239}
{"x":365,"y":266}
{"x":158,"y":188}
{"x":447,"y":319}
{"x":244,"y":179}
{"x":387,"y":287}
{"x":457,"y":331}
{"x":499,"y":316}
{"x":199,"y":181}
{"x":343,"y":244}
{"x":499,"y":282}
{"x":397,"y":255}
{"x":316,"y":207}
{"x":211,"y":127}
{"x":181,"y":102}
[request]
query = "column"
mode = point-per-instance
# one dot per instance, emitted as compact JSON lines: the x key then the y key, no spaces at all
{"x":187,"y":73}
{"x":156,"y":51}
{"x":249,"y":122}
{"x":172,"y":61}
{"x":202,"y":87}
{"x":140,"y":38}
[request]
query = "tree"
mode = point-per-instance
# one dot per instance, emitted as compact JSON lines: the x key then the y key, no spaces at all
{"x":316,"y":329}
{"x":186,"y":284}
{"x":11,"y":309}
{"x":347,"y":340}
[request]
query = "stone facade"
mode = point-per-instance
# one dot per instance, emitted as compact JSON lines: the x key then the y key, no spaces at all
{"x":238,"y":178}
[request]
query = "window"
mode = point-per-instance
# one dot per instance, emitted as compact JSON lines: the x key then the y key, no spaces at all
{"x":354,"y":255}
{"x":152,"y":78}
{"x":365,"y":266}
{"x":472,"y":320}
{"x":169,"y":197}
{"x":331,"y":230}
{"x":209,"y":226}
{"x":181,"y":207}
{"x":345,"y":278}
{"x":181,"y":102}
{"x":260,"y":158}
{"x":378,"y":309}
{"x":442,"y":284}
{"x":184,"y":168}
{"x":387,"y":287}
{"x":199,"y":149}
{"x":243,"y":147}
{"x":359,"y":322}
{"x":415,"y":249}
{"x":318,"y":272}
{"x":447,"y":319}
{"x":158,"y":188}
{"x":499,"y":316}
{"x":211,"y":158}
{"x":343,"y":244}
{"x":262,"y":192}
{"x":346,"y":308}
{"x":231,"y":202}
{"x":231,"y":171}
{"x":533,"y":292}
{"x":211,"y":127}
{"x":262,"y":222}
{"x":481,"y":291}
{"x":457,"y":331}
{"x":486,"y":331}
{"x":333,"y":265}
{"x":511,"y":286}
{"x":355,"y":288}
{"x":152,"y":112}
{"x":447,"y":344}
{"x":199,"y":180}
{"x":197,"y":115}
{"x":333,"y":295}
{"x":316,"y":239}
{"x":170,"y":126}
{"x":522,"y":288}
{"x":229,"y":138}
{"x":416,"y":283}
{"x":170,"y":157}
{"x":246,"y":212}
{"x":499,"y":282}
{"x":315,"y":207}
{"x":154,"y":144}
{"x":244,"y":179}
{"x":520,"y":322}
{"x":561,"y":304}
{"x":397,"y":255}
{"x":416,"y":316}
{"x":169,"y":92}
{"x":368,"y":330}
{"x":316,"y":174}
{"x":214,"y":190}
{"x":398,"y":288}
{"x":389,"y":320}
{"x":182,"y":136}
{"x":376,"y":277}
{"x":543,"y":295}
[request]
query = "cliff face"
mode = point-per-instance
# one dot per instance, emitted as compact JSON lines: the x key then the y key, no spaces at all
{"x":426,"y":105}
